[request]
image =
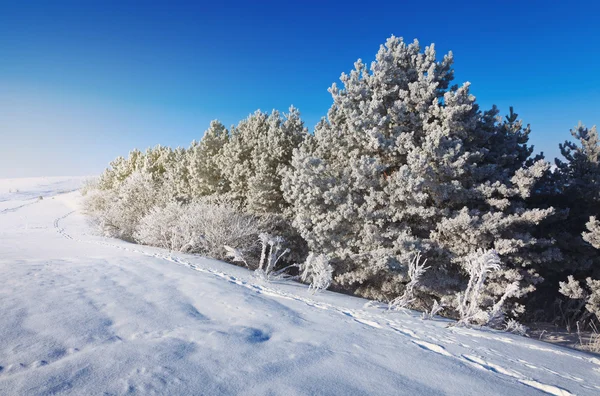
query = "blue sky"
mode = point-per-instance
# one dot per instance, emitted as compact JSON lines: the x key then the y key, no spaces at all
{"x":84,"y":82}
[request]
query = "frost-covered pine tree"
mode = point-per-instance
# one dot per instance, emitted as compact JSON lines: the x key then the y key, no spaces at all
{"x":204,"y":173}
{"x":132,"y":186}
{"x":579,"y":190}
{"x":405,"y":163}
{"x":576,"y":190}
{"x":120,"y":169}
{"x":156,"y":161}
{"x":176,"y":184}
{"x":259,"y":150}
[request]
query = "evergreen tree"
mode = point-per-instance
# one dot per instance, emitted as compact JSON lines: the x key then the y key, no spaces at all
{"x":204,"y":173}
{"x":575,"y":190}
{"x":405,"y":163}
{"x":176,"y":185}
{"x":253,"y":161}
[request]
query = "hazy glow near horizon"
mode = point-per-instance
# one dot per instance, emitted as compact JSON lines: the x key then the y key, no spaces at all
{"x":82,"y":84}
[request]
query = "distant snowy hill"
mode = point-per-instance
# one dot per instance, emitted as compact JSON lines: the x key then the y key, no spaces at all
{"x":86,"y":315}
{"x":17,"y":192}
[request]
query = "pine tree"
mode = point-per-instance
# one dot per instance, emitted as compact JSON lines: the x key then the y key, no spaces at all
{"x":405,"y":163}
{"x":176,"y":185}
{"x":575,"y":189}
{"x":259,"y":150}
{"x":578,"y":185}
{"x":120,"y":169}
{"x":204,"y":173}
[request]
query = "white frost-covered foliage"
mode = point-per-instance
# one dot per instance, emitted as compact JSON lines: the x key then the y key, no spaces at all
{"x":215,"y":198}
{"x":258,"y":151}
{"x":590,"y":297}
{"x":176,"y":178}
{"x":471,"y":303}
{"x":576,"y":192}
{"x":203,"y":164}
{"x":435,"y":309}
{"x":416,"y":269}
{"x":572,"y":289}
{"x":593,"y":235}
{"x":515,"y":327}
{"x":163,"y":227}
{"x":154,"y":162}
{"x":406,"y":163}
{"x":271,"y":252}
{"x":204,"y":227}
{"x":236,"y":255}
{"x":316,"y":271}
{"x":118,"y":211}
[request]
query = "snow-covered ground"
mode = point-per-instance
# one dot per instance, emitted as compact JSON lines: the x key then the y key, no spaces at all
{"x":15,"y":193}
{"x":83,"y":314}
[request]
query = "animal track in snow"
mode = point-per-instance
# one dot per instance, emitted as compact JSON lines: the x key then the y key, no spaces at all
{"x":551,"y":389}
{"x":361,"y":320}
{"x":433,"y":347}
{"x":404,"y":331}
{"x":480,"y":363}
{"x":61,"y":231}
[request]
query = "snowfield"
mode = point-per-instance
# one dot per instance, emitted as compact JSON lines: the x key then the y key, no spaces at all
{"x":87,"y":315}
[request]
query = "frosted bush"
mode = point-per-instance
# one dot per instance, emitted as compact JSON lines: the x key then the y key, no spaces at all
{"x":89,"y":185}
{"x":316,"y":271}
{"x":165,"y":227}
{"x":278,"y":224}
{"x":416,"y":269}
{"x":236,"y":255}
{"x":221,"y":224}
{"x":469,"y":303}
{"x":119,"y":211}
{"x":271,"y":253}
{"x":435,"y":309}
{"x":204,"y":227}
{"x":515,"y":327}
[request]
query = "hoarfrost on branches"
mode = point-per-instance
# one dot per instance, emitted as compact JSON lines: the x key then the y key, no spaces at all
{"x":416,"y":269}
{"x":317,"y":271}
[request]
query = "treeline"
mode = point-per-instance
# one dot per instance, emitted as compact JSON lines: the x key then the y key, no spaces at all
{"x":405,"y":163}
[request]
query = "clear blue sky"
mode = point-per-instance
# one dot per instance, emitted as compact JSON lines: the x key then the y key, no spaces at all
{"x":81,"y":83}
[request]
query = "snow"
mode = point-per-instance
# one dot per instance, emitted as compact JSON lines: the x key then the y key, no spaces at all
{"x":17,"y":192}
{"x":84,"y":314}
